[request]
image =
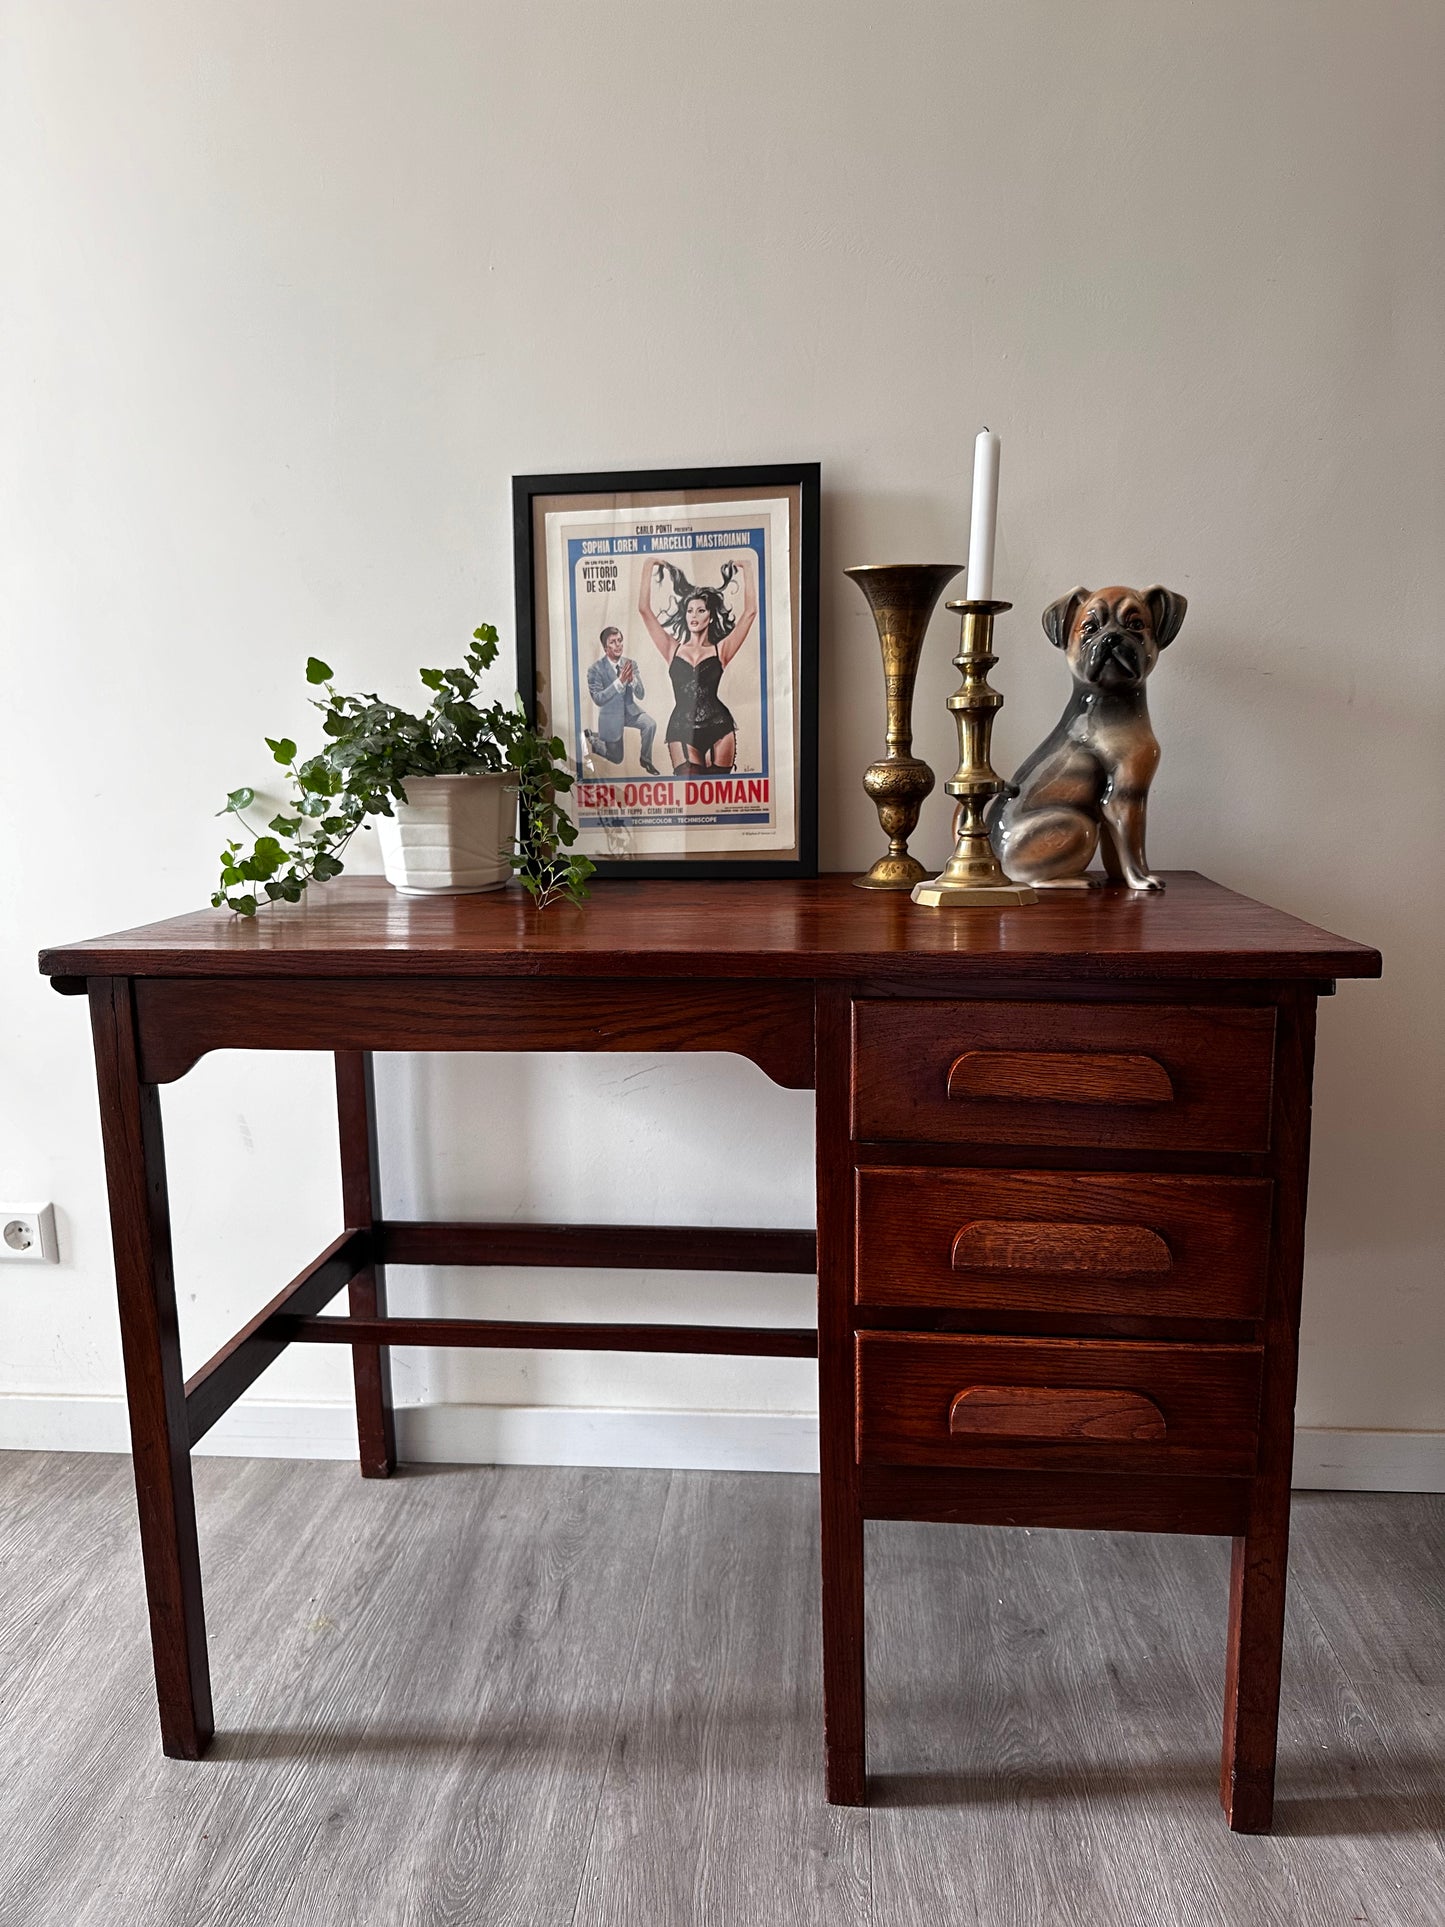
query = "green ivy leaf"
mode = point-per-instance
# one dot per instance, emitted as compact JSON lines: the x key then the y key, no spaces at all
{"x":317,"y":671}
{"x":326,"y":867}
{"x":265,"y":859}
{"x":284,"y":751}
{"x":241,"y":799}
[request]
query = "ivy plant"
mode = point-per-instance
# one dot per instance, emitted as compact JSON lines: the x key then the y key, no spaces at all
{"x":371,"y":748}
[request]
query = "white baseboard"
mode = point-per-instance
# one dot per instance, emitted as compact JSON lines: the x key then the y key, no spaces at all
{"x":569,"y":1435}
{"x":252,"y":1429}
{"x":446,"y":1434}
{"x":1330,"y":1459}
{"x":1326,"y":1459}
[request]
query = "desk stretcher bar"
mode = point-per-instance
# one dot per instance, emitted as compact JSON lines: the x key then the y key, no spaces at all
{"x":290,"y":1318}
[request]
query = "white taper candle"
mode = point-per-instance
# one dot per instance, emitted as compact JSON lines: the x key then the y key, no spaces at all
{"x":983,"y":524}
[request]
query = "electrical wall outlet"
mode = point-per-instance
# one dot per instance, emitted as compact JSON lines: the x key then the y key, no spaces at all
{"x":27,"y":1233}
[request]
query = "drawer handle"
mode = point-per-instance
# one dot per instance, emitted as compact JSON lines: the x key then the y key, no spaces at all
{"x":1060,"y":1077}
{"x":1054,"y":1412}
{"x":1017,"y":1244}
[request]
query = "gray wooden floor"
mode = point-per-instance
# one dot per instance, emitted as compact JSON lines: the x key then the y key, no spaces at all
{"x":544,"y":1697}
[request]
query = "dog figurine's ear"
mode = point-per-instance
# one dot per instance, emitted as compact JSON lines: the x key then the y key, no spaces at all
{"x":1059,"y":617}
{"x":1167,"y":609}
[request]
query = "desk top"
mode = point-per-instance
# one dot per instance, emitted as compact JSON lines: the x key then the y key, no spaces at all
{"x":361,"y":927}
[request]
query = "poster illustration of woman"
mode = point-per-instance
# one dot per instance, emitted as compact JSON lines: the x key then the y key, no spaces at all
{"x":698,"y":629}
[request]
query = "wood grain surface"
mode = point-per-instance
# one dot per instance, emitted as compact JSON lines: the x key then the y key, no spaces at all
{"x":180,"y":1021}
{"x":140,"y":1233}
{"x":1107,"y":1501}
{"x":625,"y":1728}
{"x":1054,"y":1412}
{"x":641,"y":1247}
{"x":361,"y":927}
{"x":841,"y":1523}
{"x":1023,"y":1244}
{"x":358,"y":1142}
{"x":908,"y":1382}
{"x":477,"y":1334}
{"x":716,"y":1753}
{"x":1260,"y":1555}
{"x":1061,"y":1077}
{"x":1215,"y":1064}
{"x":929,"y":1237}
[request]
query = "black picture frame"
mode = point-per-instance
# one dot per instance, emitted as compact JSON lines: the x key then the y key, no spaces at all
{"x":530,"y":493}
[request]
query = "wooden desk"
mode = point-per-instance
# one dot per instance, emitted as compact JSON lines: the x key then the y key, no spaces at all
{"x":1062,"y":1155}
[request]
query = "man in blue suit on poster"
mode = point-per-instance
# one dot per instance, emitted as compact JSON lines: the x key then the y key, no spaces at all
{"x":616,"y":688}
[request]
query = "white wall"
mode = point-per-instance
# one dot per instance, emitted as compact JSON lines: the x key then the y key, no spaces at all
{"x":293,"y":288}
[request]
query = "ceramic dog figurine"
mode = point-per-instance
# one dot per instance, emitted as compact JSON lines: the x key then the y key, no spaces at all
{"x":1087,"y":783}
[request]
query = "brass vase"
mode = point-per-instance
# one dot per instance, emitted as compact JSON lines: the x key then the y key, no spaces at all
{"x":902,"y":596}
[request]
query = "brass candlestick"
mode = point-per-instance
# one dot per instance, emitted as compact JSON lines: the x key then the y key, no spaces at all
{"x":902,"y":596}
{"x":973,"y":874}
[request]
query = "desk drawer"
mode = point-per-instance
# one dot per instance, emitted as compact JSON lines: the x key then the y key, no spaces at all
{"x":1124,"y":1243}
{"x":1128,"y":1076}
{"x":1056,"y":1403}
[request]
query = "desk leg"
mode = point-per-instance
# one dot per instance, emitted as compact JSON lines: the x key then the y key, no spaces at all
{"x":1259,"y":1568}
{"x":842,"y":1511}
{"x":361,"y":1198}
{"x":1252,"y":1671}
{"x":135,"y":1169}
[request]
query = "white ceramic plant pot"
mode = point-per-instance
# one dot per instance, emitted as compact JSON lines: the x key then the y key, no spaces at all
{"x":453,"y":834}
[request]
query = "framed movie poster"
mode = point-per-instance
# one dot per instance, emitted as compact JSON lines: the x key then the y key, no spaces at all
{"x":667,"y":632}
